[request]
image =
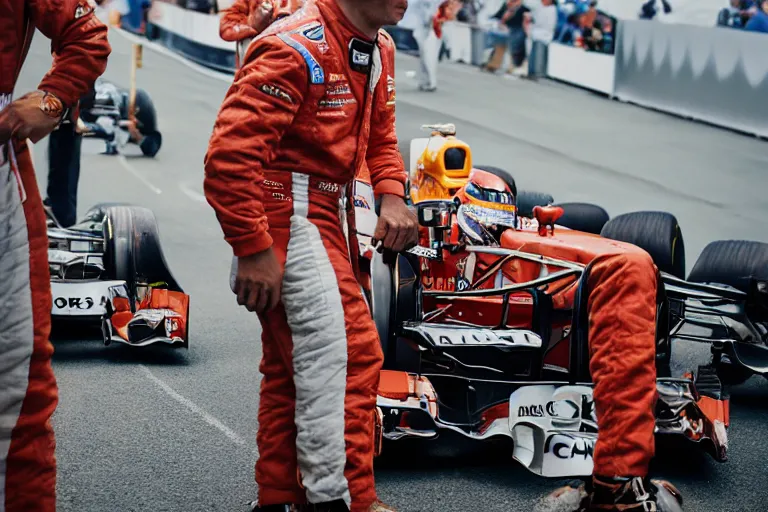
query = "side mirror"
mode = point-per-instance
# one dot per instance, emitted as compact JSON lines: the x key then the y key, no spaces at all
{"x":435,"y":214}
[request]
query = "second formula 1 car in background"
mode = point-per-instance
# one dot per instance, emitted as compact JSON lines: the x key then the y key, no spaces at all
{"x":109,"y":269}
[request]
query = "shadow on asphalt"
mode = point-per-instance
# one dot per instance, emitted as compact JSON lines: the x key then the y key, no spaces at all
{"x":82,"y":342}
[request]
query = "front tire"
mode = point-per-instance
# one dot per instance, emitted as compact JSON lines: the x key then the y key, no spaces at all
{"x":657,"y":233}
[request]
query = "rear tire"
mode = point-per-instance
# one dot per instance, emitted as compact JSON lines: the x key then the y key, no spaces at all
{"x":528,"y":199}
{"x":585,"y":217}
{"x":731,"y":262}
{"x":657,"y":233}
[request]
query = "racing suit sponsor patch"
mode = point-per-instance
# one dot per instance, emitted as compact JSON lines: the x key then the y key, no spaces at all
{"x":335,"y":103}
{"x":327,"y":187}
{"x":360,"y":55}
{"x":391,"y":93}
{"x":276,"y":92}
{"x":316,"y":73}
{"x":273,"y":184}
{"x":314,"y":32}
{"x":338,"y":89}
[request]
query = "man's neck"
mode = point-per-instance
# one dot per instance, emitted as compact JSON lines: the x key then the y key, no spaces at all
{"x":357,"y":18}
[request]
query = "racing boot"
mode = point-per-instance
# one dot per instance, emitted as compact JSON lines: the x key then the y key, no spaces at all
{"x":341,"y":506}
{"x":273,"y":508}
{"x":614,"y":494}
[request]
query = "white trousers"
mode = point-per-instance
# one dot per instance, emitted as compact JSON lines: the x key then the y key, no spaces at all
{"x":429,"y":53}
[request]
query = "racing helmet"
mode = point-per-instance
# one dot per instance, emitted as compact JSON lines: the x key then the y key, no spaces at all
{"x":488,"y":205}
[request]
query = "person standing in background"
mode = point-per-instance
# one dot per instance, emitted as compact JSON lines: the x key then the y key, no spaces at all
{"x":541,"y":31}
{"x":759,"y":21}
{"x":432,"y":14}
{"x":512,"y":16}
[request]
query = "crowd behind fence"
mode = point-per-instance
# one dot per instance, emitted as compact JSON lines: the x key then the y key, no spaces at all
{"x":681,"y":69}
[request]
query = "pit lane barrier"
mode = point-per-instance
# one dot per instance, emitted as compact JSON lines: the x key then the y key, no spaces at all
{"x":708,"y":74}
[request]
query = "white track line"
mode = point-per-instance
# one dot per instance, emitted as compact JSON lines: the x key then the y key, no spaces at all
{"x":128,"y":167}
{"x":190,"y":193}
{"x":210,"y":420}
{"x":162,"y":50}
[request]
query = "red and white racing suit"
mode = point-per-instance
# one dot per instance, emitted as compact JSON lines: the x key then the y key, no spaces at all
{"x":28,"y":392}
{"x":312,"y":105}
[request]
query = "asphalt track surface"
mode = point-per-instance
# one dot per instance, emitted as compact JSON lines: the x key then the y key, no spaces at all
{"x":157,"y":430}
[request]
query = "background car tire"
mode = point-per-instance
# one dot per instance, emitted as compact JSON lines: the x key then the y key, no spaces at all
{"x":657,"y":233}
{"x":528,"y":199}
{"x":585,"y":217}
{"x":151,"y":144}
{"x":731,"y":262}
{"x":132,"y":249}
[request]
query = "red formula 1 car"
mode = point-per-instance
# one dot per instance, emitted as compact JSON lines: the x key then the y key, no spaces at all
{"x":484,"y":324}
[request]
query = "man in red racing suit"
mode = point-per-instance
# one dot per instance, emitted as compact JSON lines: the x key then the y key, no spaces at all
{"x":313,"y":104}
{"x":28,"y":393}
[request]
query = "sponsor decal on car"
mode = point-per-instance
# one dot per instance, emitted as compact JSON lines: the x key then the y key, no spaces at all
{"x":567,"y":447}
{"x":276,"y":92}
{"x":82,"y":303}
{"x":361,"y":202}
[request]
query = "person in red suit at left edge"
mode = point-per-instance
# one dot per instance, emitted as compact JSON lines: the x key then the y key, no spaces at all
{"x":28,"y":391}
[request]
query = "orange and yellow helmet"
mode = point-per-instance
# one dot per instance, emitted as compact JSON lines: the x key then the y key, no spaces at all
{"x":489,"y":198}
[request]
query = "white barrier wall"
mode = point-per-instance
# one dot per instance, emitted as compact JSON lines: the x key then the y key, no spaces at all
{"x":201,"y":28}
{"x":593,"y":71}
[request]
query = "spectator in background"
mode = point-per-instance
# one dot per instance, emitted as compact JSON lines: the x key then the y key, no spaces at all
{"x":432,"y":14}
{"x":733,"y":16}
{"x":511,"y":18}
{"x":759,"y":21}
{"x":541,"y":31}
{"x":650,"y":9}
{"x":469,"y":11}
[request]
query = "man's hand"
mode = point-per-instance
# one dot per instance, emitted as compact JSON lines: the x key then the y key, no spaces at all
{"x":397,"y":229}
{"x":261,"y":17}
{"x":24,"y":119}
{"x":259,"y":281}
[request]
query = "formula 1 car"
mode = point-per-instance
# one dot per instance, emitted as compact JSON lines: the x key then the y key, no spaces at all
{"x":109,"y":268}
{"x":484,"y":330}
{"x":105,"y":115}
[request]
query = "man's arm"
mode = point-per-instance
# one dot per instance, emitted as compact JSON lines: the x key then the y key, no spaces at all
{"x":384,"y":160}
{"x":79,"y":44}
{"x":235,"y":23}
{"x":259,"y":106}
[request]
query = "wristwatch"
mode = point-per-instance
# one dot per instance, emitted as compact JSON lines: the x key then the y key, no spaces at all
{"x":53,"y":107}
